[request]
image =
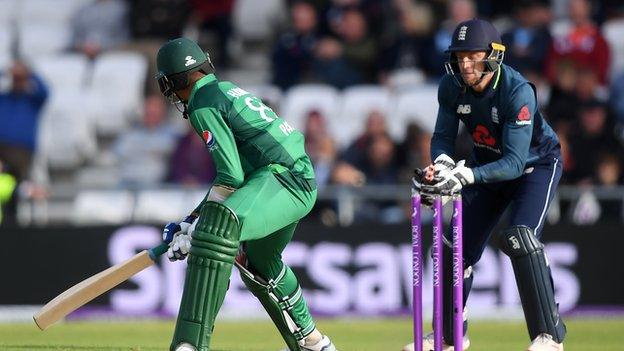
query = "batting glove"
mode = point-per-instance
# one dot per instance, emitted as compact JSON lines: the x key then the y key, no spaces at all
{"x":173,"y":228}
{"x":451,"y":181}
{"x":179,"y":247}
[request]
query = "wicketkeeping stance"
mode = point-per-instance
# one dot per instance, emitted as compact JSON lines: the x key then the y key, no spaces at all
{"x":515,"y":165}
{"x":264,"y":186}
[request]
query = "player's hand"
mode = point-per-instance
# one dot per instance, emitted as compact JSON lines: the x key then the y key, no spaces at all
{"x":419,"y":180}
{"x":179,"y":247}
{"x":173,"y":228}
{"x":451,"y":181}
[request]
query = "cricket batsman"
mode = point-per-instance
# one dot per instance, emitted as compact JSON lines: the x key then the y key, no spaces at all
{"x":264,"y":186}
{"x":515,"y":166}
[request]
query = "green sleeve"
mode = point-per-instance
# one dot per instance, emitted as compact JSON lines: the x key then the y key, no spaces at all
{"x":209,"y":124}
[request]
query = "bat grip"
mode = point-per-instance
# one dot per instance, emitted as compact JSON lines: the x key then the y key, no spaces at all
{"x":155,"y":252}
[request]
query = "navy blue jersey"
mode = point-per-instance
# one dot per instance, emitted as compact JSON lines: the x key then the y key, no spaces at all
{"x":508,"y":131}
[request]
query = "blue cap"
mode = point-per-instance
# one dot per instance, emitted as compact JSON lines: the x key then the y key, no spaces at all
{"x":474,"y":35}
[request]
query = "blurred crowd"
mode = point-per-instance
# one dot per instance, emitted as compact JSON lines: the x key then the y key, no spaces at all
{"x":559,"y":45}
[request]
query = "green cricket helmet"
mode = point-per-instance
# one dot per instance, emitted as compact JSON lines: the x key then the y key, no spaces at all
{"x":175,"y":61}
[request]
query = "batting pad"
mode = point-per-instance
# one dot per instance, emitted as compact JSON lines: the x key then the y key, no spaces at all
{"x":214,"y":245}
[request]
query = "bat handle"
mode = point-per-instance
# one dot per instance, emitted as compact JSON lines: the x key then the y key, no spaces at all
{"x":155,"y":252}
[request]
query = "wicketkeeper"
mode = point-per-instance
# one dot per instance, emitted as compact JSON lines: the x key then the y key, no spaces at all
{"x":264,"y":186}
{"x":515,"y":165}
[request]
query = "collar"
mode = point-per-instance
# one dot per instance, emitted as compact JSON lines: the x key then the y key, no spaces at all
{"x":207,"y":79}
{"x":491,"y":87}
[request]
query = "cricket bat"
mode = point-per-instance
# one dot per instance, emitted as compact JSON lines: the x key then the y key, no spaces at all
{"x":92,"y":287}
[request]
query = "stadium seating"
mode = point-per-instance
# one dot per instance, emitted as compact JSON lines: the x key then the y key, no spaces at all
{"x":63,"y":72}
{"x":116,"y":94}
{"x":37,"y":40}
{"x":149,"y":205}
{"x":103,"y":207}
{"x":302,"y":99}
{"x":357,"y":103}
{"x":66,"y":136}
{"x":614,"y":34}
{"x":419,"y":105}
{"x":6,"y":38}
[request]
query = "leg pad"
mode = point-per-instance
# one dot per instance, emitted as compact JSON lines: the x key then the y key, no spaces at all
{"x":534,"y":282}
{"x":214,"y":245}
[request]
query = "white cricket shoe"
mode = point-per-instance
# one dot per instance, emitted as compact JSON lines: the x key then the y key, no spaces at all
{"x":545,"y":342}
{"x":428,"y":344}
{"x":185,"y":347}
{"x":323,"y":345}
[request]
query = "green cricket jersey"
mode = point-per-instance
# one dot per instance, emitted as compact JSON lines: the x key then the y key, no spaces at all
{"x":242,"y":133}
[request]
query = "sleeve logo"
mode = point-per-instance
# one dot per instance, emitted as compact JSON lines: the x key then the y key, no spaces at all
{"x":524,"y":116}
{"x":209,"y":139}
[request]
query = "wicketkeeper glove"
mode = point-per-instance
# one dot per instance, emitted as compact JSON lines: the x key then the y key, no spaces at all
{"x":418,"y":181}
{"x":451,"y":181}
{"x":443,"y":162}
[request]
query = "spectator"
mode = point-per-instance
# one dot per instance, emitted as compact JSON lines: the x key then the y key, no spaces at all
{"x":20,"y":108}
{"x":609,"y":170}
{"x":152,"y":22}
{"x":292,"y":54}
{"x":157,"y":20}
{"x":215,"y":17}
{"x":593,"y":137}
{"x":143,"y":151}
{"x":583,"y":45}
{"x":435,"y":50}
{"x":413,"y":152}
{"x":375,"y":126}
{"x":528,"y":41}
{"x":100,"y":26}
{"x":617,"y":98}
{"x":563,"y":104}
{"x":379,"y":167}
{"x":405,"y":49}
{"x":319,"y":146}
{"x":352,"y":59}
{"x":348,"y":169}
{"x":190,"y":163}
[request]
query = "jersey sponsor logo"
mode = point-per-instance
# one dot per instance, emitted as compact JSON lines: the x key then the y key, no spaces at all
{"x":189,"y":61}
{"x":495,"y":115}
{"x":462,"y":33}
{"x":209,"y":139}
{"x":482,"y":138}
{"x":524,"y":116}
{"x":464,"y":109}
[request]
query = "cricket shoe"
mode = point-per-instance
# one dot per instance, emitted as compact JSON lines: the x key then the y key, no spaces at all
{"x":545,"y":342}
{"x":323,"y":345}
{"x":428,"y":344}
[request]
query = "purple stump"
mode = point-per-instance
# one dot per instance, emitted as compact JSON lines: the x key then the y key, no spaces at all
{"x":437,"y":272}
{"x":417,"y":295}
{"x":458,"y":274}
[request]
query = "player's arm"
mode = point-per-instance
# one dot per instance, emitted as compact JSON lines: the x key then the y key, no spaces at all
{"x":210,"y":126}
{"x":223,"y":150}
{"x":517,"y":134}
{"x":443,"y":139}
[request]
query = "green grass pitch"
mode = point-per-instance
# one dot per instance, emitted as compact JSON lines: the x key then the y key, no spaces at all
{"x":348,"y":335}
